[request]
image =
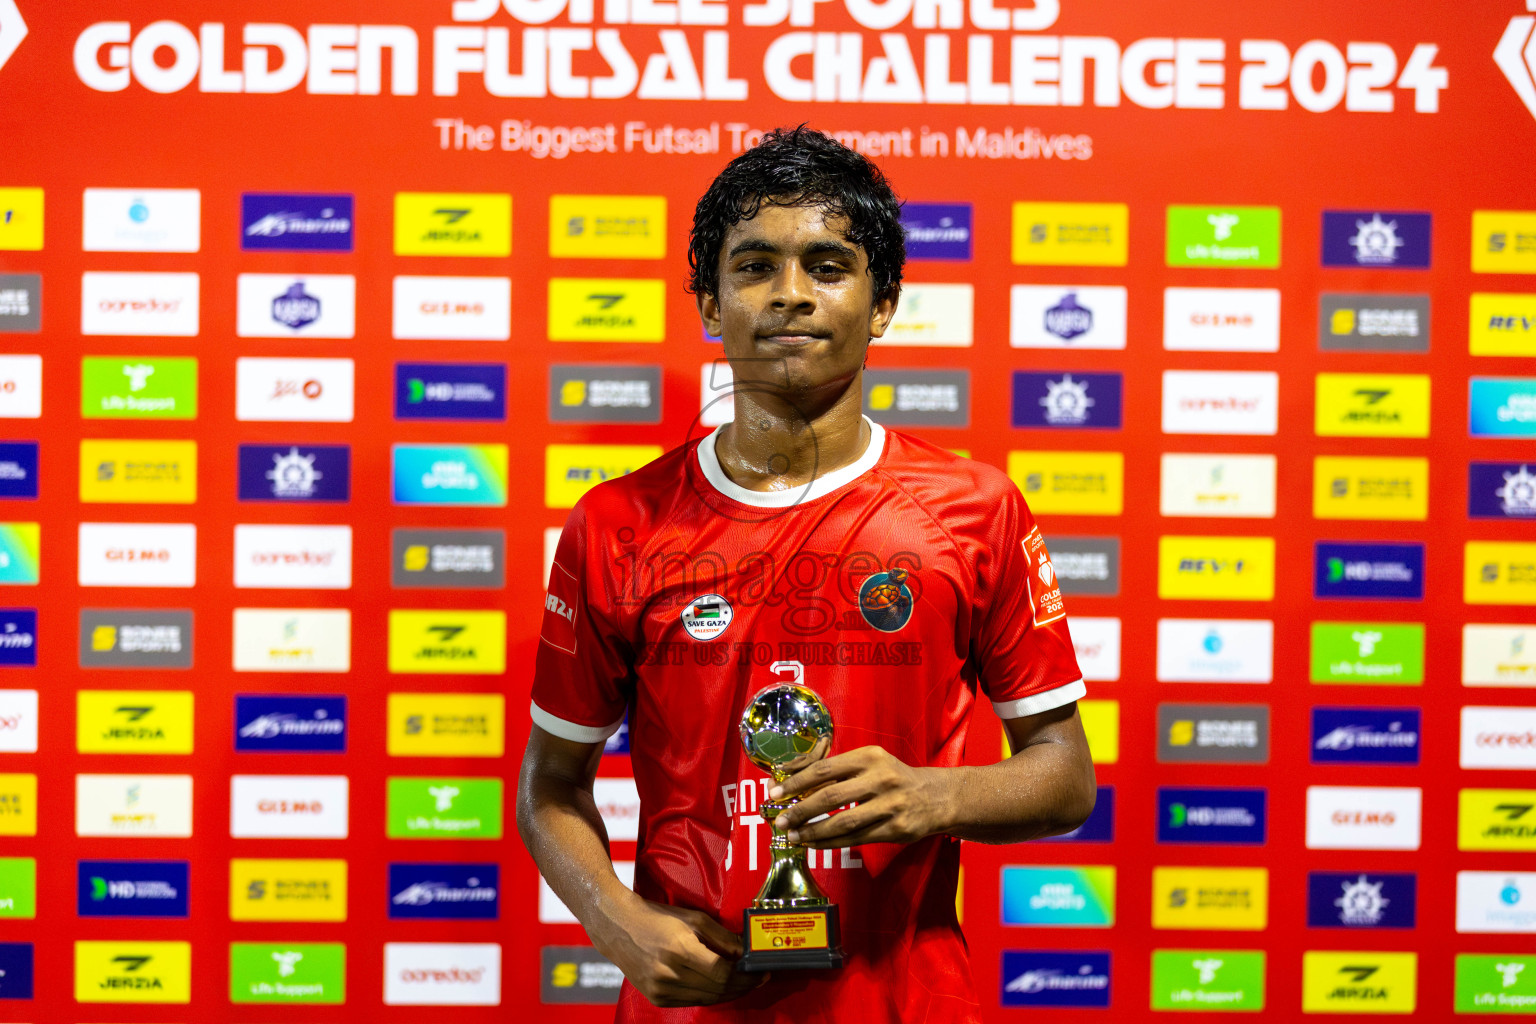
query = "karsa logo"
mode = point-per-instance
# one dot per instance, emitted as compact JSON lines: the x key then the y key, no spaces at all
{"x":18,"y":468}
{"x":937,"y":231}
{"x":1082,"y":483}
{"x":1495,"y":984}
{"x":444,"y":892}
{"x":1373,"y":323}
{"x":138,"y":555}
{"x":1215,"y":899}
{"x":292,"y":472}
{"x":932,"y":316}
{"x":295,"y":222}
{"x":1503,"y":407}
{"x":571,"y":470}
{"x":1498,"y":655}
{"x":1496,"y":819}
{"x":1049,"y":978}
{"x":1372,"y":405}
{"x":290,"y":723}
{"x":1213,"y":733}
{"x":442,"y":974}
{"x":1100,"y":826}
{"x":287,"y":890}
{"x":453,"y":224}
{"x":294,"y":390}
{"x":453,"y":308}
{"x":292,"y":640}
{"x":288,"y":806}
{"x":933,"y":398}
{"x":133,"y":805}
{"x":133,"y":972}
{"x":18,"y":638}
{"x":1495,"y":902}
{"x":18,"y":894}
{"x":1227,"y":816}
{"x":1224,"y":486}
{"x":18,"y":804}
{"x":1218,"y":402}
{"x":1498,"y":737}
{"x":1080,"y":897}
{"x":1063,"y":399}
{"x":312,"y":972}
{"x":18,"y":720}
{"x":139,"y":305}
{"x":608,"y":227}
{"x":1501,"y":490}
{"x":578,"y":974}
{"x":1223,"y":236}
{"x":1071,"y":234}
{"x":1504,"y":241}
{"x":1499,"y":573}
{"x":138,"y":472}
{"x":1064,"y":316}
{"x":1215,"y":650}
{"x":142,"y":220}
{"x":289,"y":306}
{"x":455,"y":642}
{"x":1368,"y":571}
{"x":1221,"y":319}
{"x":468,"y":559}
{"x":1365,"y":735}
{"x":133,"y":722}
{"x":1360,"y":900}
{"x":1376,"y":239}
{"x":306,"y":557}
{"x":1500,"y":324}
{"x":595,"y":393}
{"x":1223,"y":979}
{"x":1348,"y":487}
{"x":131,"y":888}
{"x":1216,"y":568}
{"x":468,"y":474}
{"x":607,"y":309}
{"x":450,"y":391}
{"x":21,"y":303}
{"x":1363,"y":817}
{"x":444,"y":808}
{"x":138,"y":388}
{"x":21,"y":387}
{"x":446,"y":724}
{"x":21,"y":218}
{"x":1358,"y":982}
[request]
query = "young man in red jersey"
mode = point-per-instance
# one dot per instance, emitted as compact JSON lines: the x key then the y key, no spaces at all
{"x":896,"y":578}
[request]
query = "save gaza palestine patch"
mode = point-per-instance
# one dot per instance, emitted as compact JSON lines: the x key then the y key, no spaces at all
{"x":1044,"y":591}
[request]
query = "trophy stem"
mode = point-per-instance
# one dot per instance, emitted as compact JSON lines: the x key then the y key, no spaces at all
{"x":789,"y":882}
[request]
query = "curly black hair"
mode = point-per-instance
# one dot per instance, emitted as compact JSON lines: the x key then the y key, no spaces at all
{"x":800,"y":167}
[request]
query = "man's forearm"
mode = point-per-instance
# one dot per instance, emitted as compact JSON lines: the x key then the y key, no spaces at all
{"x":1044,"y":789}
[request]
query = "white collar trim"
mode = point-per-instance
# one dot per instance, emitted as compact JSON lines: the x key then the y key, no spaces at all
{"x":820,"y":487}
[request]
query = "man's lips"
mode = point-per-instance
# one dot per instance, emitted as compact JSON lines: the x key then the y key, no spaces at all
{"x":791,"y":337}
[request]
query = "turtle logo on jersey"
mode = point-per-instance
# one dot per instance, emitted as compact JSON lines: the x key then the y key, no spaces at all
{"x":884,"y":600}
{"x":707,"y":617}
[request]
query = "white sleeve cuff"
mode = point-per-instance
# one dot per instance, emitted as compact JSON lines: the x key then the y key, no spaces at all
{"x":573,"y":732}
{"x":1034,"y":703}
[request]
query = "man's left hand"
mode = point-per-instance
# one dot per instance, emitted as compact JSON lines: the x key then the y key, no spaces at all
{"x":896,"y":803}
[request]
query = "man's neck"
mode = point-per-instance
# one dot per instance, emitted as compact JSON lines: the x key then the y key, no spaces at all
{"x":773,"y":446}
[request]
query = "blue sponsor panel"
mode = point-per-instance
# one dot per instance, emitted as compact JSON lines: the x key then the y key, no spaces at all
{"x":1378,"y":239}
{"x":1361,"y":899}
{"x":15,"y":970}
{"x":1225,"y":816}
{"x":450,"y":391}
{"x":937,"y":231}
{"x":131,"y":888}
{"x":18,"y":637}
{"x":295,"y":472}
{"x":296,"y":222}
{"x":1066,"y":399}
{"x":290,"y":723}
{"x":18,"y":469}
{"x":444,"y":892}
{"x":1503,"y":407}
{"x":618,"y":743}
{"x":1365,"y":735}
{"x":1100,"y":826}
{"x":1501,"y":490}
{"x":1369,"y":571}
{"x":1037,"y":977}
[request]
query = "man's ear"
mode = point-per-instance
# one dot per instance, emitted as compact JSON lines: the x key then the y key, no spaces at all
{"x":884,"y":311}
{"x":709,"y":312}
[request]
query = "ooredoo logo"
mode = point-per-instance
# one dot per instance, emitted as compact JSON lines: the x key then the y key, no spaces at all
{"x":442,"y":974}
{"x":1213,"y":402}
{"x":156,"y":305}
{"x":1498,"y":737}
{"x":288,"y":806}
{"x":306,"y":557}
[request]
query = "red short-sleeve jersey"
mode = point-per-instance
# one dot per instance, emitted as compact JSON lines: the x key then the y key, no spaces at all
{"x":897,"y":588}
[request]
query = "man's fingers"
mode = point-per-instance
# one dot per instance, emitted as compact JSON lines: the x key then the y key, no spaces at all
{"x":716,"y":936}
{"x":823,"y":801}
{"x":822,"y":772}
{"x":838,"y":826}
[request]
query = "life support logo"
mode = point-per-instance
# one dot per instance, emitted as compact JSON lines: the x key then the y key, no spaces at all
{"x":885,"y":600}
{"x":708,"y":616}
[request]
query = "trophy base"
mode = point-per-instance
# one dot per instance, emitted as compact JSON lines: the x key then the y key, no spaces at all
{"x":790,"y":939}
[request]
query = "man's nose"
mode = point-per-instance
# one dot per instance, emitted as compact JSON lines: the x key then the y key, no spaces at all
{"x":793,"y":287}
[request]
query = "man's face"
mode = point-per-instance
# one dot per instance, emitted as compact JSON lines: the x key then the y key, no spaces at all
{"x":796,"y":306}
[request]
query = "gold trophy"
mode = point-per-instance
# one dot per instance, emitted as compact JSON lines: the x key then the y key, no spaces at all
{"x":791,"y":925}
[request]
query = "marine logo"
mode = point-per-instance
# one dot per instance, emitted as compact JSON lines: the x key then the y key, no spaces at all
{"x":885,"y":600}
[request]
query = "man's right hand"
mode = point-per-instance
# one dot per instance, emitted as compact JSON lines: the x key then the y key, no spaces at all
{"x":676,"y":957}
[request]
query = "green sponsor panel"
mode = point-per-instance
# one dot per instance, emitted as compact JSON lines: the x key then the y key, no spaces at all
{"x":444,"y":808}
{"x":1223,"y":236}
{"x":18,"y":887}
{"x":134,"y":388}
{"x":1495,"y":984}
{"x":1207,"y":979}
{"x":1390,"y":653}
{"x":299,"y":972}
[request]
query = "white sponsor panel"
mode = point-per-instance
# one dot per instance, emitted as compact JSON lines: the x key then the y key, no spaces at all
{"x":1066,"y":316}
{"x":1363,"y":817}
{"x":1221,"y":319}
{"x":133,"y":805}
{"x":717,"y":395}
{"x":1228,"y":486}
{"x":442,"y":974}
{"x":453,"y":308}
{"x":619,"y":803}
{"x":1495,"y":737}
{"x":288,"y":806}
{"x":138,"y":555}
{"x":21,"y":387}
{"x":18,"y":721}
{"x":1496,"y":902}
{"x":293,"y":640}
{"x":551,"y":546}
{"x":1097,"y":642}
{"x":936,"y":315}
{"x":1498,"y":655}
{"x":1215,"y":650}
{"x":296,"y":305}
{"x":139,"y":305}
{"x":1220,"y":402}
{"x":294,"y":390}
{"x":301,"y":557}
{"x":552,"y":909}
{"x":142,"y":220}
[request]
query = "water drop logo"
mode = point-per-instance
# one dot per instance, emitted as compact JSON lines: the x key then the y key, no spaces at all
{"x":1212,"y":642}
{"x":138,"y":211}
{"x":1510,"y":894}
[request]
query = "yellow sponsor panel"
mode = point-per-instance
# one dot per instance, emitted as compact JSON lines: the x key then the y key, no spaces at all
{"x":1345,"y":487}
{"x":21,"y":218}
{"x":1216,"y":568}
{"x":571,"y":470}
{"x":287,"y":890}
{"x":1218,"y":899}
{"x":1071,"y":234}
{"x":1496,"y":819}
{"x":147,"y":472}
{"x":607,"y":309}
{"x":1070,"y":483}
{"x":448,"y":641}
{"x":1101,"y":725}
{"x":1503,"y":242}
{"x":1499,"y":573}
{"x":1372,"y":405}
{"x":18,"y":804}
{"x":453,"y":224}
{"x":133,"y":972}
{"x":1355,"y":981}
{"x":446,"y":724}
{"x":133,"y":721}
{"x":1502,"y":325}
{"x":608,"y":227}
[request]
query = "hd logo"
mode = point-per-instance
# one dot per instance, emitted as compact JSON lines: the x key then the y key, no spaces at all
{"x":467,"y":642}
{"x":134,"y":722}
{"x":1358,"y":982}
{"x":607,"y":309}
{"x":608,"y":227}
{"x":133,"y":972}
{"x":453,"y":224}
{"x":446,"y":724}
